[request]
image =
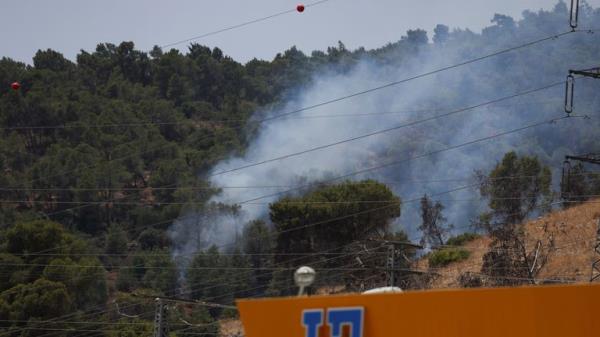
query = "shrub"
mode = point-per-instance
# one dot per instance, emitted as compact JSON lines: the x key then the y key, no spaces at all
{"x":461,"y":239}
{"x":444,"y":257}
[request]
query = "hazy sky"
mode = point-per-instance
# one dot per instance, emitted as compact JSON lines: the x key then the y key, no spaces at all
{"x":70,"y":25}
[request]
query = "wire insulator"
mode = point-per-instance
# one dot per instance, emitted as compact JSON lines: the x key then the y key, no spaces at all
{"x":569,"y":93}
{"x":574,"y":18}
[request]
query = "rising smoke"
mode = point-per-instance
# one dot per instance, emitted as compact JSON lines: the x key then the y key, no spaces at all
{"x":493,"y":78}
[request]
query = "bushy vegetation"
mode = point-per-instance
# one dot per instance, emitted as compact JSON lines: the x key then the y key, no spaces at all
{"x":446,"y":256}
{"x":462,"y":239}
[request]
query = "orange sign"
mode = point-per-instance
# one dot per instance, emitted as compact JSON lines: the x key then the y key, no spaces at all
{"x":556,"y":311}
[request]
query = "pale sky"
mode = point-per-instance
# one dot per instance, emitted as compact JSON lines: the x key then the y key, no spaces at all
{"x":70,"y":25}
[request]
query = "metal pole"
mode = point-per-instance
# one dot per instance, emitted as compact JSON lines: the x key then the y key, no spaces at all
{"x":391,"y":264}
{"x":596,"y":264}
{"x":161,"y":327}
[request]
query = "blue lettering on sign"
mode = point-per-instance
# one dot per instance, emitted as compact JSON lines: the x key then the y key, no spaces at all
{"x":337,"y":318}
{"x":312,"y":321}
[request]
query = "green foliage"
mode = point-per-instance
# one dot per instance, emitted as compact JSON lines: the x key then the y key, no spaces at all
{"x":329,"y":219}
{"x":153,"y":239}
{"x":61,"y":261}
{"x":206,"y":280}
{"x":132,"y":305}
{"x":515,"y":187}
{"x":462,"y":239}
{"x":150,"y":269}
{"x":258,"y":245}
{"x":41,"y":299}
{"x":198,"y":319}
{"x":443,"y":257}
{"x":127,"y":327}
{"x":10,"y":272}
{"x":333,"y":216}
{"x":41,"y":236}
{"x":580,"y":185}
{"x":85,"y":279}
{"x":116,"y":241}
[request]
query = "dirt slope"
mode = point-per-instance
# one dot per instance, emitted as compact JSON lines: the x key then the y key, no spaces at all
{"x":572,"y":232}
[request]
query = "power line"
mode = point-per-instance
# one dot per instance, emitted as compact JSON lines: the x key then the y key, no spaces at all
{"x":390,"y":84}
{"x":392,"y":163}
{"x":335,"y":255}
{"x":175,"y":289}
{"x":413,"y":123}
{"x":225,"y":29}
{"x":283,"y":202}
{"x":393,"y":83}
{"x":396,"y":163}
{"x":210,"y":188}
{"x":193,"y":122}
{"x":427,"y":154}
{"x":422,"y":75}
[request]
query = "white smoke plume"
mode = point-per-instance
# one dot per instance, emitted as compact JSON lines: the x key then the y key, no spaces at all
{"x":493,"y":78}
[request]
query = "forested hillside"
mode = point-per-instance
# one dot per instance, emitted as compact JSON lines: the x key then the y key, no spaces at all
{"x":117,"y":182}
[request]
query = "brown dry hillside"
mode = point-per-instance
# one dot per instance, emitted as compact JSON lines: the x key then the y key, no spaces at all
{"x":572,"y":232}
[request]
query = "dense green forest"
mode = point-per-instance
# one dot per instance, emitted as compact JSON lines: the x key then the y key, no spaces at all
{"x":101,"y":154}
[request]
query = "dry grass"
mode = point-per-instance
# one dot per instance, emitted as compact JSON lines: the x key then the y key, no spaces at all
{"x":231,"y":328}
{"x":567,"y":237}
{"x":447,"y":277}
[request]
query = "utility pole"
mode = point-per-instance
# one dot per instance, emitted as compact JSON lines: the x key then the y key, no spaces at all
{"x":596,"y":264}
{"x":391,"y":258}
{"x":161,"y":327}
{"x":391,"y":262}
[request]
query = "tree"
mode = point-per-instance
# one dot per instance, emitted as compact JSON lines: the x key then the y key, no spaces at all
{"x":441,"y":34}
{"x":240,"y":275}
{"x":579,"y":185}
{"x":10,"y":272}
{"x":152,"y":239}
{"x":153,"y":269}
{"x":51,"y":60}
{"x":41,"y":299}
{"x":333,"y":216}
{"x":515,"y":187}
{"x":85,"y":280}
{"x":258,"y":244}
{"x":433,"y":224}
{"x":66,"y":263}
{"x":41,"y":236}
{"x":127,"y":327}
{"x":206,"y":279}
{"x":417,"y":37}
{"x":160,"y":271}
{"x":328,"y":219}
{"x":116,"y":241}
{"x":197,"y":321}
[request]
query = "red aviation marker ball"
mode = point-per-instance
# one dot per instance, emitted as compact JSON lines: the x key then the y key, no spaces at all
{"x":15,"y":85}
{"x":300,"y":8}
